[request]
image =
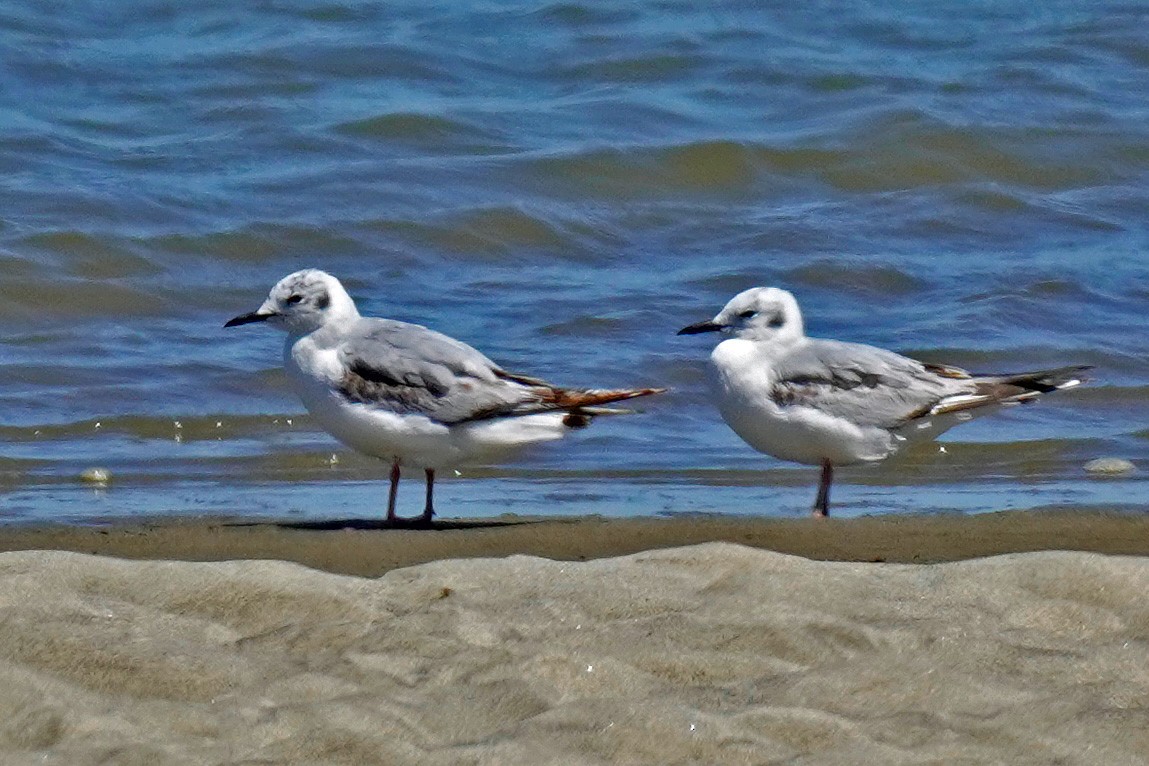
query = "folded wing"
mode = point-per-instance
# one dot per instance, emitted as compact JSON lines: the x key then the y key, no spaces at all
{"x":410,"y":369}
{"x":865,"y":385}
{"x":874,"y":387}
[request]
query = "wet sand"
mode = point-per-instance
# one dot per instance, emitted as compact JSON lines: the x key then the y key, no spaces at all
{"x":203,"y":651}
{"x":359,"y":547}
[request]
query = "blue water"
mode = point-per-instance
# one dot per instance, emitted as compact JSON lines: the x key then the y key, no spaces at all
{"x":564,"y":186}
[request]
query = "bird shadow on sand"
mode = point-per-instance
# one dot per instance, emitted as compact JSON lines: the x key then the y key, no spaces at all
{"x":328,"y":525}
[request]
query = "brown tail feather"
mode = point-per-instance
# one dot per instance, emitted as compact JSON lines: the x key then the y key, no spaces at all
{"x":581,"y":405}
{"x":573,"y":399}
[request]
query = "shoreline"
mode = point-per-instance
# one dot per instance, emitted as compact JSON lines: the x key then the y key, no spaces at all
{"x":363,"y":548}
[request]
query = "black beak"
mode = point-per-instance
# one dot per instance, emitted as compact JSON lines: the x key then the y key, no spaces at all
{"x":254,"y":316}
{"x":697,"y":327}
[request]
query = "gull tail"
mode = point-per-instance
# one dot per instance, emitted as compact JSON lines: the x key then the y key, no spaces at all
{"x":1011,"y":389}
{"x":574,"y":398}
{"x":582,"y":404}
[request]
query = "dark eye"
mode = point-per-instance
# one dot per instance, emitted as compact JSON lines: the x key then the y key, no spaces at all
{"x":777,"y":321}
{"x":747,"y":313}
{"x":293,"y":299}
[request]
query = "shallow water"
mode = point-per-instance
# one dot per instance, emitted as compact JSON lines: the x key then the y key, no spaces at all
{"x":564,"y":186}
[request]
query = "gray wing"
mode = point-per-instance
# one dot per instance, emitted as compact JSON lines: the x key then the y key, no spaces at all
{"x":863,"y":384}
{"x":407,"y":368}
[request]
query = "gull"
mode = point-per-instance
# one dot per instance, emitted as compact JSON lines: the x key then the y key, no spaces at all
{"x":826,"y":402}
{"x":408,"y":394}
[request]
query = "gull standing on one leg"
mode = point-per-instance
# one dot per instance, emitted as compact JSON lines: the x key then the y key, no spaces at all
{"x":410,"y":395}
{"x":828,"y":403}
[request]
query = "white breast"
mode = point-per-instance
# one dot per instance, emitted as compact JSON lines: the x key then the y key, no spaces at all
{"x":316,"y":372}
{"x":743,"y":377}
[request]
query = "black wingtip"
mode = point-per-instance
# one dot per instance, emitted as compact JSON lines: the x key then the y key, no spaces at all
{"x":1066,"y":377}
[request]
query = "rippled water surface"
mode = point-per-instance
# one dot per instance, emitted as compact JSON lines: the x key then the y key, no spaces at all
{"x":563,"y":185}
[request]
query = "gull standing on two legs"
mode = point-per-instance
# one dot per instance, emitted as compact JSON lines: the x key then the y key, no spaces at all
{"x":827,"y":403}
{"x":410,"y":395}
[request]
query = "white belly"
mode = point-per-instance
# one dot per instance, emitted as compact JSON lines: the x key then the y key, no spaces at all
{"x":410,"y":439}
{"x":742,"y":386}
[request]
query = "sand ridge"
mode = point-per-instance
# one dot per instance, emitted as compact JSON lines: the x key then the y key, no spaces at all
{"x":713,"y":653}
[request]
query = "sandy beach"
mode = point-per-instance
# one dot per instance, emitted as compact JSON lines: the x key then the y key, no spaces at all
{"x":1006,"y":638}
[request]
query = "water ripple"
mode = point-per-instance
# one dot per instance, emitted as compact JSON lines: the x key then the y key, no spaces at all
{"x":565,"y":185}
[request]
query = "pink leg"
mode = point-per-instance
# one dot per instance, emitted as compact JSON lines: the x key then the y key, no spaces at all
{"x":822,"y":503}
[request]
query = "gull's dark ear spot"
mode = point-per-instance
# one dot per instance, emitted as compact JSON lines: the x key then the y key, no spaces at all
{"x":323,"y":301}
{"x":777,"y":320}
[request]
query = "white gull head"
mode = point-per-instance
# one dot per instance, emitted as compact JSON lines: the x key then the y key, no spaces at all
{"x":303,"y":302}
{"x":759,"y":314}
